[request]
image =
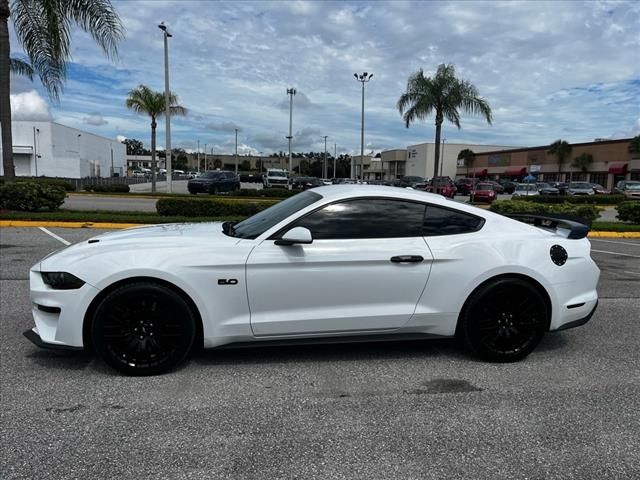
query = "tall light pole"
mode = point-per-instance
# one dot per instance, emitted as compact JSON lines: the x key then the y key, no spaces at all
{"x":324,"y":163}
{"x":205,"y":153}
{"x":291,"y":92}
{"x":167,"y":106}
{"x":362,"y":78}
{"x":442,"y":155}
{"x":198,"y":156}
{"x":236,"y":151}
{"x":335,"y":158}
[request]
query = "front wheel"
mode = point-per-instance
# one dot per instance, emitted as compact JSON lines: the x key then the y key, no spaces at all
{"x":143,"y":328}
{"x":504,"y":320}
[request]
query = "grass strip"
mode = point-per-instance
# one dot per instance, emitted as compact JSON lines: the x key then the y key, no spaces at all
{"x":614,"y":227}
{"x":107,"y":216}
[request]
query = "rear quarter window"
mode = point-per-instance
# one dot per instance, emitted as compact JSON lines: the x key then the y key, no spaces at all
{"x":445,"y":221}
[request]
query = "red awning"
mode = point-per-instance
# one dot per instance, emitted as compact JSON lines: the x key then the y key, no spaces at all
{"x":618,"y":168}
{"x":479,"y":171}
{"x":515,"y":171}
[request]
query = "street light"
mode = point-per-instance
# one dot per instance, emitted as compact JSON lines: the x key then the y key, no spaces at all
{"x":291,"y":92}
{"x":167,"y":108}
{"x":236,"y":151}
{"x":324,"y":163}
{"x":362,"y":78}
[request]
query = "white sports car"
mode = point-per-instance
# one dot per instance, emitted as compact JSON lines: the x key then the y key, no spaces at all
{"x":337,"y":263}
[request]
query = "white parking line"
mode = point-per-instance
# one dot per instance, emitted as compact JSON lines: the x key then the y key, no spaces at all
{"x":613,"y":241}
{"x":616,"y":253}
{"x":60,"y":239}
{"x":632,"y":273}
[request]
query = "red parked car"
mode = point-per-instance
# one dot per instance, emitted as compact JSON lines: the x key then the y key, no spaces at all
{"x":442,"y":185}
{"x":484,"y":192}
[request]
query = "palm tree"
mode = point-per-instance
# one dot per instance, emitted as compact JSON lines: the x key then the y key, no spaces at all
{"x":468,"y":156}
{"x":582,"y":161}
{"x":144,"y":100}
{"x":43,"y":28}
{"x":561,"y":149}
{"x":445,"y":95}
{"x":634,"y":146}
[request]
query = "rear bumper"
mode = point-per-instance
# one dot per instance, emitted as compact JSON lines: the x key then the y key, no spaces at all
{"x":579,"y":322}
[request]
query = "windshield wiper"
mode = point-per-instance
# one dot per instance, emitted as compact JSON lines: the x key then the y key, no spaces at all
{"x":228,"y":228}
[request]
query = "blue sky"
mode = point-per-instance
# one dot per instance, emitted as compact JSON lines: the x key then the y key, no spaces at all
{"x":552,"y":70}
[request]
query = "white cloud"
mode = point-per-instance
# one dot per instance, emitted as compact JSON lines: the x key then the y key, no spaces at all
{"x":95,"y":119}
{"x":29,"y":106}
{"x":121,"y":138}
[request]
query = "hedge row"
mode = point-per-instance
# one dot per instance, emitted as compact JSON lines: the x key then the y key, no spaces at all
{"x":629,"y":212}
{"x":53,"y":182}
{"x":209,"y":207}
{"x":576,"y":199}
{"x":31,"y":196}
{"x":265,"y":192}
{"x":108,"y":188}
{"x":506,"y":207}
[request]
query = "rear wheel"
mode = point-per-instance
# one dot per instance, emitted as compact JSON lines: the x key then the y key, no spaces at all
{"x":214,"y":191}
{"x":504,"y":320}
{"x":143,"y":329}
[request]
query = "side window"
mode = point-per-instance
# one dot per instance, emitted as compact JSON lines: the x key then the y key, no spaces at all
{"x":365,"y":218}
{"x":443,"y":221}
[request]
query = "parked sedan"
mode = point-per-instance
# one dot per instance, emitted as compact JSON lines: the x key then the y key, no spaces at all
{"x":342,"y":262}
{"x":629,"y":188}
{"x":509,"y":186}
{"x":546,"y":189}
{"x":305,"y":183}
{"x":599,"y":189}
{"x":580,"y":188}
{"x":214,"y":182}
{"x":525,"y":190}
{"x":442,"y":185}
{"x":484,"y":192}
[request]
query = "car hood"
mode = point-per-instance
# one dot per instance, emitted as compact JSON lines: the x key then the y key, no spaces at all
{"x":142,"y":240}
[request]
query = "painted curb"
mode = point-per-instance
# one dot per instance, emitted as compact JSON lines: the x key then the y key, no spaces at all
{"x":26,"y":223}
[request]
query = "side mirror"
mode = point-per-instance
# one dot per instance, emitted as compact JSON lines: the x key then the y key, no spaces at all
{"x":295,"y":236}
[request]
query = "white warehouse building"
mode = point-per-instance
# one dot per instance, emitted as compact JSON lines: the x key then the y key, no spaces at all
{"x":44,"y":148}
{"x":420,"y":157}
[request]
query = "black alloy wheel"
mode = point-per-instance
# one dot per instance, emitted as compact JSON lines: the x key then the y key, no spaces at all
{"x":504,"y":320}
{"x":143,"y":328}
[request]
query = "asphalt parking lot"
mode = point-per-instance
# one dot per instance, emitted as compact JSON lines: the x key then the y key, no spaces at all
{"x":397,"y":410}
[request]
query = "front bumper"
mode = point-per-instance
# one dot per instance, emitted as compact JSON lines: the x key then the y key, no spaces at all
{"x":33,"y":336}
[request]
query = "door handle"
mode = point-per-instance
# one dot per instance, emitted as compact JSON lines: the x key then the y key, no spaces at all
{"x":407,"y":259}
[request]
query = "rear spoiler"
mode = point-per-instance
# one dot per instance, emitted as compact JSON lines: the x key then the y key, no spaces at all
{"x":574,"y":227}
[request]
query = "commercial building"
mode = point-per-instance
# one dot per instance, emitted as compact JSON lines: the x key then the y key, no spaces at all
{"x":610,"y":162}
{"x":43,"y":148}
{"x":418,"y":160}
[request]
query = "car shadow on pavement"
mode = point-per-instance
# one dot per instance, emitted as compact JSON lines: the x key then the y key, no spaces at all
{"x":342,"y":352}
{"x":53,"y":359}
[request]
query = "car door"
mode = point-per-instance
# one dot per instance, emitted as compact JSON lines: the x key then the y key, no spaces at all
{"x":364,"y":272}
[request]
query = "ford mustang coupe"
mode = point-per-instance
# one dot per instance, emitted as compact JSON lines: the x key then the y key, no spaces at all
{"x":337,"y":263}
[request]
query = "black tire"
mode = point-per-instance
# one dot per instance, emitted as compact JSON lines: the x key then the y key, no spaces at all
{"x":214,"y":191}
{"x":143,"y":328}
{"x":193,"y":193}
{"x":504,"y":320}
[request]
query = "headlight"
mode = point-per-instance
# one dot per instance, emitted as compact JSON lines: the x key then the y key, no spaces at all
{"x":61,"y":280}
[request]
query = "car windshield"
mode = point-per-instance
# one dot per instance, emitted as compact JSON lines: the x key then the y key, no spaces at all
{"x":632,"y":186}
{"x":211,"y":175}
{"x":255,"y":226}
{"x":580,"y":185}
{"x":276,"y":174}
{"x":543,"y":185}
{"x":525,"y":187}
{"x":484,"y":186}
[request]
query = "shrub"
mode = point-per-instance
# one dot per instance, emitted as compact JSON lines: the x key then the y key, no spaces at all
{"x":54,"y":182}
{"x":210,"y":207}
{"x":31,"y":196}
{"x":506,"y":207}
{"x":576,"y":199}
{"x":111,"y":188}
{"x":629,"y":212}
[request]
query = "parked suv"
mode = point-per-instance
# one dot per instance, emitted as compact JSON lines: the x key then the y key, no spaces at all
{"x":580,"y":188}
{"x":464,"y":186}
{"x":214,"y":182}
{"x":275,"y":177}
